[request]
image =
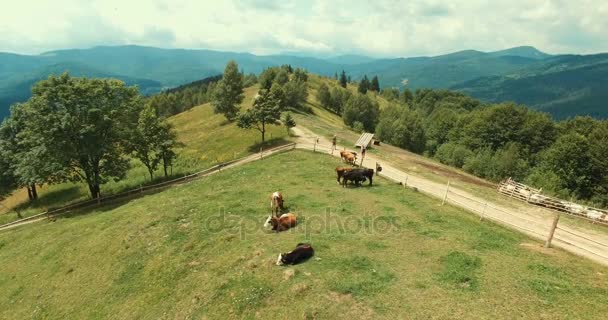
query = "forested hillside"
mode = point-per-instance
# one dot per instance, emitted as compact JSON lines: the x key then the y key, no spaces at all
{"x":564,"y":87}
{"x":492,"y":141}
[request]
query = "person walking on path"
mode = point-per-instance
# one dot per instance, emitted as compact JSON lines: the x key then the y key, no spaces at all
{"x":362,"y":154}
{"x":333,"y":144}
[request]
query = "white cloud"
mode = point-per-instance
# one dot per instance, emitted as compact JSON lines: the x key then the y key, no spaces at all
{"x":381,"y":27}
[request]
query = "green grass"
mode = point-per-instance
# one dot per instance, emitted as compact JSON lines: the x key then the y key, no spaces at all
{"x":208,"y":139}
{"x":198,"y":251}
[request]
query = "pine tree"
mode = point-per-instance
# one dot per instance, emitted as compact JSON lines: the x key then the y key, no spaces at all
{"x":288,"y":121}
{"x":343,"y":80}
{"x":363,"y":85}
{"x":375,"y":84}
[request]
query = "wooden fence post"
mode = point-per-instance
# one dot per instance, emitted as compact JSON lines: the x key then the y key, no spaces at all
{"x":406,"y":178}
{"x":141,"y":189}
{"x":445,"y":197}
{"x":315,"y":147}
{"x":483,"y":212}
{"x":552,"y":231}
{"x":261,"y":153}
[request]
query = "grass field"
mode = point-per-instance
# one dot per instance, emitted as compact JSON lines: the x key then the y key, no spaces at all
{"x":207,"y":140}
{"x":198,"y":251}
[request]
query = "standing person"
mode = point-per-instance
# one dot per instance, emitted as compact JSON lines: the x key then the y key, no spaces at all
{"x":362,"y":154}
{"x":333,"y":144}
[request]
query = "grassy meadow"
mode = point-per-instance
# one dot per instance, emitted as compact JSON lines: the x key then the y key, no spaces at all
{"x":198,"y":251}
{"x":207,"y":138}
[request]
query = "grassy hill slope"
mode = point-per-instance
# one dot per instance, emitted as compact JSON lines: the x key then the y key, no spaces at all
{"x":207,"y":140}
{"x":198,"y":251}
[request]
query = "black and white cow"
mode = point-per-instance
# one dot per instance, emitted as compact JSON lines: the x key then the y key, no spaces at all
{"x":302,"y":252}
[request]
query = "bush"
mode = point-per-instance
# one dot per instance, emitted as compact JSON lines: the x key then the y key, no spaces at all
{"x":402,"y":127}
{"x":362,"y":109}
{"x":453,"y":154}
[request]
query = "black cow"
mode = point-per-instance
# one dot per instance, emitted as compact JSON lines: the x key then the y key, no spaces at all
{"x":357,"y":176}
{"x":302,"y":252}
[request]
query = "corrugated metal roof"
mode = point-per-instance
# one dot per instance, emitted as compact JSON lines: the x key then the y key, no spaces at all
{"x":364,"y":140}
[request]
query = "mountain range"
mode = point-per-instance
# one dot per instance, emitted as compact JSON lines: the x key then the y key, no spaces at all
{"x":563,"y":85}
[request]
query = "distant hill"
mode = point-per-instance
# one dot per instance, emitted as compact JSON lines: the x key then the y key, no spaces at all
{"x":564,"y":86}
{"x":17,"y":87}
{"x":486,"y":75}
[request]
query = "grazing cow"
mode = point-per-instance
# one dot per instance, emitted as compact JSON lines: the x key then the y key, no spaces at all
{"x":302,"y":252}
{"x":358,"y":175}
{"x":282,"y":223}
{"x":355,"y":176}
{"x":349,"y":157}
{"x":340,"y":172}
{"x":276,"y":202}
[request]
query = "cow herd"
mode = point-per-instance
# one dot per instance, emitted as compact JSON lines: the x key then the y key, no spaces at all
{"x":278,"y":221}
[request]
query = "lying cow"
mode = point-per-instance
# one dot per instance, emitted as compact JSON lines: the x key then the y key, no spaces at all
{"x":358,"y":175}
{"x":302,"y":252}
{"x":282,"y":223}
{"x":276,"y":202}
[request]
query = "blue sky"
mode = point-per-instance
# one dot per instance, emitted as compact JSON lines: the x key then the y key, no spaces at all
{"x":378,"y":28}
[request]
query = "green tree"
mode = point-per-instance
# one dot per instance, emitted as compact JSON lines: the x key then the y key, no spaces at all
{"x":300,"y":75}
{"x":266,"y":111}
{"x":296,"y":93}
{"x":363,"y":85}
{"x":339,"y":98}
{"x":407,"y":97}
{"x":282,"y":77}
{"x":402,"y":127}
{"x":82,"y":124}
{"x":390,"y":94}
{"x":343,"y":79}
{"x":288,"y":121}
{"x":570,"y":159}
{"x":167,"y":143}
{"x":361,"y":108}
{"x":145,"y":142}
{"x":31,"y":163}
{"x":229,"y":92}
{"x":323,"y":95}
{"x":375,"y":84}
{"x":250,"y":80}
{"x":438,"y":126}
{"x":278,"y":92}
{"x":453,"y":154}
{"x":267,"y":78}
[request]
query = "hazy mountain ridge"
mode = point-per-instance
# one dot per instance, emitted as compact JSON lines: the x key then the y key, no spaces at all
{"x":153,"y":69}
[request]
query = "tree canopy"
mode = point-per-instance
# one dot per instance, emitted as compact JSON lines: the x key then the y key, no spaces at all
{"x":228,"y":92}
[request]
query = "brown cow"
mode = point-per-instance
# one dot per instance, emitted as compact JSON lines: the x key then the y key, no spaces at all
{"x":276,"y":202}
{"x":340,"y":172}
{"x":348,"y":156}
{"x":282,"y":223}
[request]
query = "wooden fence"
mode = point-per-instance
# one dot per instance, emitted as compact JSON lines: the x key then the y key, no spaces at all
{"x":520,"y":191}
{"x":143,"y":189}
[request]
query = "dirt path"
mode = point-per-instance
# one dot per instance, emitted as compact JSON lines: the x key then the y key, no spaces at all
{"x":578,"y":240}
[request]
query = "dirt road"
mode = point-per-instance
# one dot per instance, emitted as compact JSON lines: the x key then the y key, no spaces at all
{"x":578,"y":240}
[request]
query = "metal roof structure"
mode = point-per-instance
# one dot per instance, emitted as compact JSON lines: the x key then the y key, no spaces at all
{"x":364,"y":140}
